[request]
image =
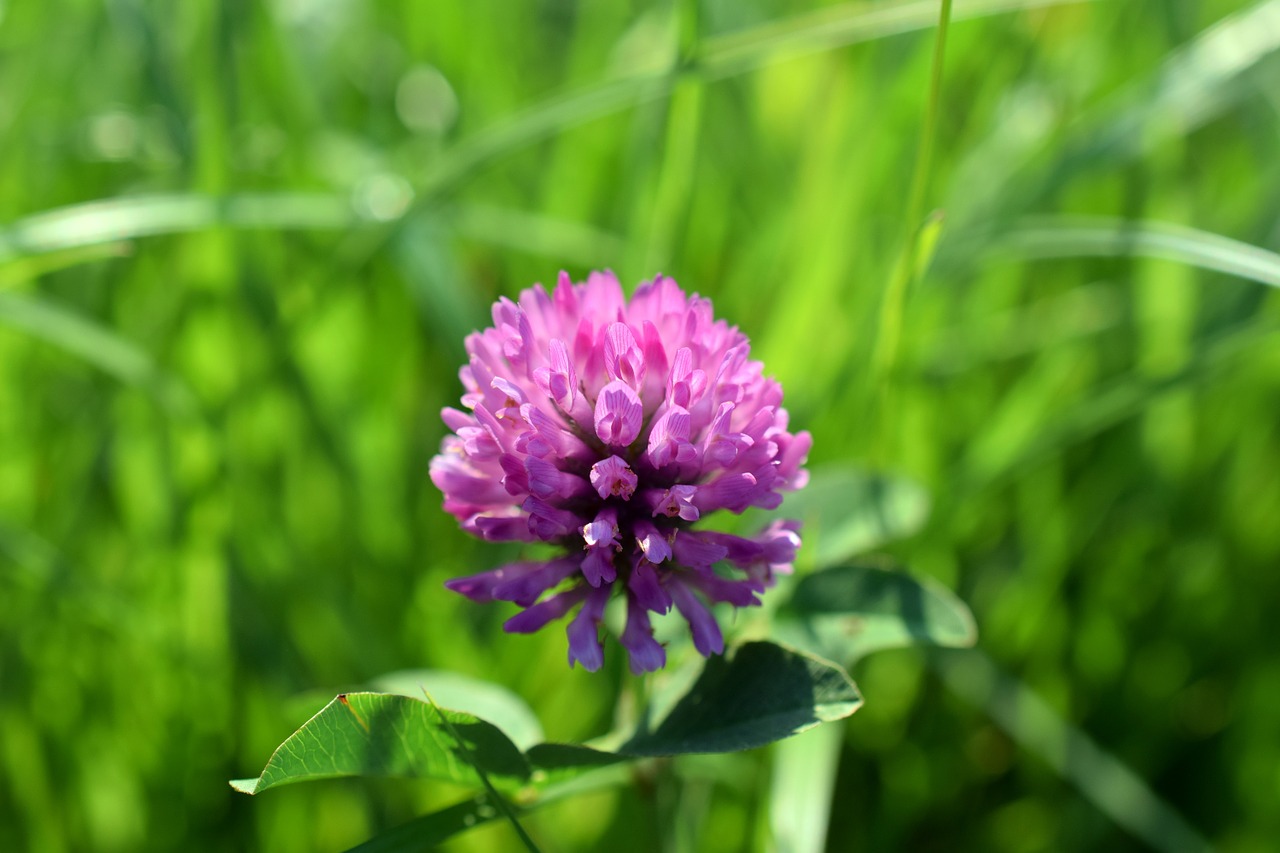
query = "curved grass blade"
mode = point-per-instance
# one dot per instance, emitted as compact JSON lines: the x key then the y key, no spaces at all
{"x":1112,"y":404}
{"x":846,"y":613}
{"x":1105,"y":781}
{"x":113,"y":220}
{"x":494,"y":797}
{"x":91,"y":342}
{"x":29,"y":268}
{"x":1071,"y":237}
{"x":1193,"y":85}
{"x":718,"y":56}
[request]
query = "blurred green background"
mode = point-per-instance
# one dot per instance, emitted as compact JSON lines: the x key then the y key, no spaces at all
{"x":242,"y":243}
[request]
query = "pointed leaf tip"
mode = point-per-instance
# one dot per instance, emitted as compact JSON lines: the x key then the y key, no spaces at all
{"x":378,"y":734}
{"x":763,"y":693}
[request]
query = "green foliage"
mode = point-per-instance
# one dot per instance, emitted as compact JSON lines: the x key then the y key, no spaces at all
{"x":848,"y":612}
{"x":376,"y":734}
{"x":848,"y":511}
{"x":759,"y":694}
{"x":240,"y":246}
{"x":750,"y":697}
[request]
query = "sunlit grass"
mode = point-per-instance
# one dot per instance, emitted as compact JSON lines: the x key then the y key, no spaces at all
{"x":240,"y":246}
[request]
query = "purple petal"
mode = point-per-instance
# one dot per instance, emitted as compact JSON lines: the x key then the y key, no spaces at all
{"x":792,"y":456}
{"x":739,"y":593}
{"x":672,"y":502}
{"x":601,"y":538}
{"x":516,"y":479}
{"x":548,"y":522}
{"x":598,"y":569}
{"x":738,"y":550}
{"x":455,"y":419}
{"x":644,"y":653}
{"x":532,"y":619}
{"x":618,"y":414}
{"x":550,"y":483}
{"x":685,"y":386}
{"x":734,"y":492}
{"x":527,"y":587}
{"x":655,"y":545}
{"x":500,"y":528}
{"x":669,"y":439}
{"x":508,"y":400}
{"x":480,"y":587}
{"x":780,"y":541}
{"x":564,"y":297}
{"x":692,"y":550}
{"x":707,"y":638}
{"x":623,"y":359}
{"x":655,"y":362}
{"x":465,"y":487}
{"x":558,"y":380}
{"x":479,"y":442}
{"x":613,"y":477}
{"x":547,"y":438}
{"x":584,"y":631}
{"x":516,"y":334}
{"x":646,"y":588}
{"x":722,"y":445}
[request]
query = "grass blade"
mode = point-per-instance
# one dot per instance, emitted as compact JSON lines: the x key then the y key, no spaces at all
{"x":494,"y":797}
{"x":112,"y":220}
{"x":1101,"y":778}
{"x":1071,"y":237}
{"x":718,"y":57}
{"x":91,"y":342}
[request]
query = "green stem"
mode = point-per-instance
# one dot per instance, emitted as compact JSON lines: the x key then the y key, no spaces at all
{"x":906,"y":267}
{"x":494,"y":797}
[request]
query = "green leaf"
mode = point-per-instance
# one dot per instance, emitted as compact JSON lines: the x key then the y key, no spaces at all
{"x":375,"y":734}
{"x":494,"y":796}
{"x":847,"y":511}
{"x":848,"y":612}
{"x":759,"y":694}
{"x":560,"y":756}
{"x":484,"y":699}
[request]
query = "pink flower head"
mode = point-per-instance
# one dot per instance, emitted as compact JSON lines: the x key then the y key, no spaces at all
{"x":610,"y":427}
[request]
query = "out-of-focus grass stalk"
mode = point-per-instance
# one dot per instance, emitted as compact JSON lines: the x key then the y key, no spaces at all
{"x":907,"y":266}
{"x":680,"y":151}
{"x":96,"y":344}
{"x":1073,"y":237}
{"x":800,"y":826}
{"x":718,"y":57}
{"x":1110,"y":785}
{"x":494,"y":797}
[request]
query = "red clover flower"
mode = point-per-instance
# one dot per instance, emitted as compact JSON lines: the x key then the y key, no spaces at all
{"x":611,"y":428}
